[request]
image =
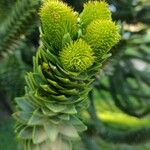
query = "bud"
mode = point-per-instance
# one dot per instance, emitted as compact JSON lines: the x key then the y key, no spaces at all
{"x":57,"y":19}
{"x":95,"y":10}
{"x":77,"y":56}
{"x":102,"y":35}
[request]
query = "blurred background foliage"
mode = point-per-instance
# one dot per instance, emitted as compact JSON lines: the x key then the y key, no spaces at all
{"x":119,"y":114}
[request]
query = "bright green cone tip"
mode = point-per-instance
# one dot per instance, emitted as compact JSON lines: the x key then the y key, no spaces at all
{"x":77,"y":56}
{"x":95,"y":10}
{"x":102,"y":35}
{"x":57,"y":20}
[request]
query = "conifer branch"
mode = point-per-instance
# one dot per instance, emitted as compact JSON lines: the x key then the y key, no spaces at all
{"x":18,"y":24}
{"x":114,"y":135}
{"x":64,"y":68}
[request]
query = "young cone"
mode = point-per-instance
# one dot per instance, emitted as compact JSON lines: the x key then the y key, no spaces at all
{"x":102,"y":35}
{"x":57,"y":20}
{"x":77,"y":56}
{"x":94,"y":10}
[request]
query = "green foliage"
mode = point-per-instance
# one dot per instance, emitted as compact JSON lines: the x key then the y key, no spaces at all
{"x":7,"y":134}
{"x":11,"y":68}
{"x":118,"y":112}
{"x":135,"y":91}
{"x":5,"y":7}
{"x":47,"y":115}
{"x":18,"y":24}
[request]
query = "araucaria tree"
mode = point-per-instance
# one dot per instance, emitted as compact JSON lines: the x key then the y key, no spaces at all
{"x":72,"y":50}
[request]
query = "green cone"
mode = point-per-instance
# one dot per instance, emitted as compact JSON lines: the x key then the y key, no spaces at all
{"x":94,"y":10}
{"x":57,"y":20}
{"x":102,"y":35}
{"x":77,"y":56}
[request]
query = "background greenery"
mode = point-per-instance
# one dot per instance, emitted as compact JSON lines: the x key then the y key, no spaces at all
{"x":119,"y":115}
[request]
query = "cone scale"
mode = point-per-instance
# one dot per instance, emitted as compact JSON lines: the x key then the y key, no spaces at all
{"x":57,"y":88}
